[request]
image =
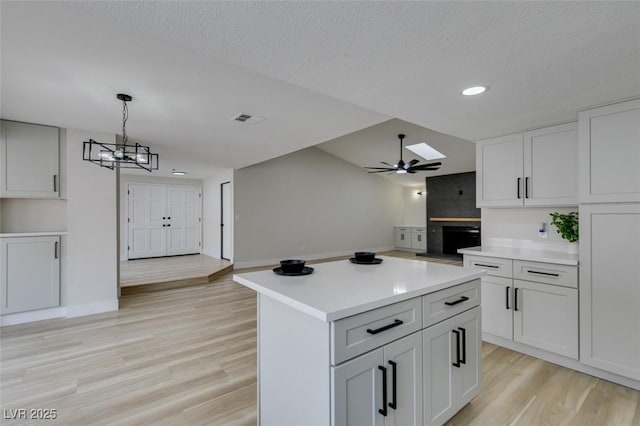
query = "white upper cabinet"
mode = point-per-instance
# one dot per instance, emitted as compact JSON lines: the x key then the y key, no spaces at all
{"x":499,"y":171}
{"x":610,"y":153}
{"x":29,"y":162}
{"x":535,"y":168}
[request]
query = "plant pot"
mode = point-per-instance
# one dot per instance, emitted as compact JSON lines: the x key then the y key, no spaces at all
{"x":573,"y":248}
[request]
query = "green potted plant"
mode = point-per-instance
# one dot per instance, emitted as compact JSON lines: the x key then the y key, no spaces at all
{"x":567,"y":225}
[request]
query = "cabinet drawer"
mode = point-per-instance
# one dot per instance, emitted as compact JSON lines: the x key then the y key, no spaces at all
{"x":495,"y":266}
{"x":548,"y":273}
{"x":360,"y":333}
{"x":446,"y":303}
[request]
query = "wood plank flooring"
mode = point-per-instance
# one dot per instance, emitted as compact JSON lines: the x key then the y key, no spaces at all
{"x":163,"y":270}
{"x":188,"y":357}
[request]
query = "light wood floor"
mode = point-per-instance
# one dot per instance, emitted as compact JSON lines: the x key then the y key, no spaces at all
{"x":169,"y":269}
{"x":188,"y":357}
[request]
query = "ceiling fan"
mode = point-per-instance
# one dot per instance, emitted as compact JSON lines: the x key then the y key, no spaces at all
{"x":402,"y":167}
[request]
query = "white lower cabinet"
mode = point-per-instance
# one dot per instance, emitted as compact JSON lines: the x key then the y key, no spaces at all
{"x":452,"y":366}
{"x":402,"y":237}
{"x":382,"y":387}
{"x":30,"y":277}
{"x":410,"y":237}
{"x":542,"y":314}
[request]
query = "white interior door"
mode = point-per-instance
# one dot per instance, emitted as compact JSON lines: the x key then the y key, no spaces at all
{"x":225,"y":220}
{"x":183,"y":220}
{"x":146,"y":221}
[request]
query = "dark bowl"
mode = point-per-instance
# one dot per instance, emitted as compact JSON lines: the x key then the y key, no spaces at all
{"x":292,"y":266}
{"x":365,"y":256}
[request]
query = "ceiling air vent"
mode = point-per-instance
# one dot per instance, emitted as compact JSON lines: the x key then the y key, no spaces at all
{"x":246,"y":118}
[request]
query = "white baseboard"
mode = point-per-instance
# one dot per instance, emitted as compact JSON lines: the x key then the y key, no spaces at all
{"x":61,"y":312}
{"x":561,"y":360}
{"x":307,"y":257}
{"x":92,"y":308}
{"x":22,"y":317}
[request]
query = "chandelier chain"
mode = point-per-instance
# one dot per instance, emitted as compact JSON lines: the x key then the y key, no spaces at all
{"x":125,"y":116}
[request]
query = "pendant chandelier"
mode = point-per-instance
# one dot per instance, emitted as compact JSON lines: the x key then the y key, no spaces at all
{"x":122,"y":155}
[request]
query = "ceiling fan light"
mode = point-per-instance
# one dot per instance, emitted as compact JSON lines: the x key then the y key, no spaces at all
{"x":401,"y":171}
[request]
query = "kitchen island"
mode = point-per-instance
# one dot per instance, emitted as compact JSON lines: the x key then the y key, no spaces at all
{"x":393,"y":343}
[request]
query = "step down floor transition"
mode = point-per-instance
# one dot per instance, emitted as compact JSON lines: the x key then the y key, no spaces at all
{"x":163,"y":273}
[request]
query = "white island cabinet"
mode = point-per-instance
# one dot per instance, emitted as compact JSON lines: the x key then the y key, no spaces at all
{"x":396,"y":343}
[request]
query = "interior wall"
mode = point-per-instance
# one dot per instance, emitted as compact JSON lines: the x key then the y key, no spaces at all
{"x":310,"y":204}
{"x":211,"y":213}
{"x":518,"y":227}
{"x":32,"y":215}
{"x":90,"y":248}
{"x":414,"y":207}
{"x":126,"y":179}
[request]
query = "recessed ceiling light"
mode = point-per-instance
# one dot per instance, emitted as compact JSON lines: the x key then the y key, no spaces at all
{"x":178,"y":172}
{"x":425,"y":151}
{"x":476,"y":90}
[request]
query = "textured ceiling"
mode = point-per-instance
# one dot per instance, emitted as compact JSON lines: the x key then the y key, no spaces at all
{"x":316,"y":70}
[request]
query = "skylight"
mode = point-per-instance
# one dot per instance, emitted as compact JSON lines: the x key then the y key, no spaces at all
{"x":425,"y":151}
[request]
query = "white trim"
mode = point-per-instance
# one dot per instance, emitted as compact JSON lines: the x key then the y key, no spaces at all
{"x":560,"y":360}
{"x":92,"y":308}
{"x":22,"y":317}
{"x":308,"y":257}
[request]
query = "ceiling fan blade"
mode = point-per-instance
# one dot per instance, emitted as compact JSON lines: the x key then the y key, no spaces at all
{"x":411,"y":171}
{"x":380,"y":168}
{"x":382,"y":171}
{"x":413,"y":162}
{"x":428,"y":166}
{"x":390,"y":165}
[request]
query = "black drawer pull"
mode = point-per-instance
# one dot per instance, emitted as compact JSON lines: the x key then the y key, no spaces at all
{"x":463,"y":359}
{"x":455,"y":302}
{"x":383,"y":410}
{"x":507,"y":298}
{"x":386,"y":327}
{"x":394,"y":390}
{"x":526,"y":187}
{"x":550,"y":274}
{"x":457,"y":363}
{"x":518,"y":187}
{"x":515,"y":299}
{"x":486,"y":266}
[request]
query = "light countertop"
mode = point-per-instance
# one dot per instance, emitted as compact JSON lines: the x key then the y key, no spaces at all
{"x":32,"y":234}
{"x":340,"y":289}
{"x":517,"y":253}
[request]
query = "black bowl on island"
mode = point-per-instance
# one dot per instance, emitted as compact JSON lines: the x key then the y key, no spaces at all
{"x":292,"y":266}
{"x":365,"y":256}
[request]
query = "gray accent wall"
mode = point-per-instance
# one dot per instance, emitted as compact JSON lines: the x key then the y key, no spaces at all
{"x":449,"y":196}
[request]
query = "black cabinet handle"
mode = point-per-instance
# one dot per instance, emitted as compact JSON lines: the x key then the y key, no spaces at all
{"x":163,"y":218}
{"x":507,"y":297}
{"x":168,"y":224}
{"x":457,"y":363}
{"x":383,"y":410}
{"x":526,"y":187}
{"x":462,"y":299}
{"x":169,"y":217}
{"x":55,"y":183}
{"x":486,"y":266}
{"x":395,"y":323}
{"x":394,"y":390}
{"x":515,"y":299}
{"x":463,"y":359}
{"x":163,"y":225}
{"x":55,"y":250}
{"x":549,"y":274}
{"x":518,"y":184}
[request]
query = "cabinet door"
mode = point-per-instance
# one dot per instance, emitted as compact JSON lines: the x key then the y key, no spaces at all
{"x":610,"y":153}
{"x":357,"y":391}
{"x":499,"y":172}
{"x":183,"y":220}
{"x":610,"y":288}
{"x":403,"y":237}
{"x":403,"y":360}
{"x":546,"y":316}
{"x":419,"y":240}
{"x":438,"y":387}
{"x":30,"y":276}
{"x":468,"y":381}
{"x":497,"y":304}
{"x":29,"y":160}
{"x":551,"y":166}
{"x":147,"y":221}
